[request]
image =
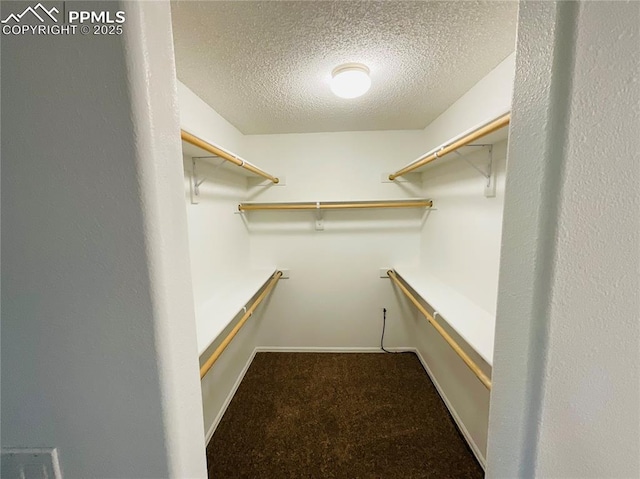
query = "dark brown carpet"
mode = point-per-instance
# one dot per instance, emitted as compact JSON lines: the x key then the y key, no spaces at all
{"x":321,"y":415}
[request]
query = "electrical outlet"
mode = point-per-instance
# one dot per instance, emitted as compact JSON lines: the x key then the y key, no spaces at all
{"x":30,"y":464}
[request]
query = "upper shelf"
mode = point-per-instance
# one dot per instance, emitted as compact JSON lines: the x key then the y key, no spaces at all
{"x":196,"y":147}
{"x":490,"y":132}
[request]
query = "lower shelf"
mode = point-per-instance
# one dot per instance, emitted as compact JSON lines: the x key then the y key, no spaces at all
{"x":216,"y":313}
{"x":472,"y":323}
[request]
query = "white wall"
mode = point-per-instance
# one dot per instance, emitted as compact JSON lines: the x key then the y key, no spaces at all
{"x":590,"y":421}
{"x":98,"y":340}
{"x":218,"y":239}
{"x":335,"y":297}
{"x":460,"y":242}
{"x":201,"y":120}
{"x":486,"y":100}
{"x":461,"y":247}
{"x":565,"y":402}
{"x":150,"y":60}
{"x":461,"y":239}
{"x":218,"y":247}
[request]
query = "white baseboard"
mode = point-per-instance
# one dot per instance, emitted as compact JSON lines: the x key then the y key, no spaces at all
{"x":310,"y":349}
{"x":227,"y":401}
{"x":474,"y":447}
{"x":330,"y":349}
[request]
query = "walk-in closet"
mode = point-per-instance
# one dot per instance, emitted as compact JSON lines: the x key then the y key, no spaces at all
{"x":319,"y":239}
{"x":323,"y":228}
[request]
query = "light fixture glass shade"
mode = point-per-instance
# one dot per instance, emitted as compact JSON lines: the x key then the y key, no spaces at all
{"x":350,"y":80}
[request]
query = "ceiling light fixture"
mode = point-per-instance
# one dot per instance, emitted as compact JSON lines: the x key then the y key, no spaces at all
{"x":350,"y":80}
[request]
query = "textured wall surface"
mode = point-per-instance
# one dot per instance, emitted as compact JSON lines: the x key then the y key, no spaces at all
{"x":154,"y":104}
{"x":590,"y":421}
{"x":565,"y":398}
{"x":94,"y":359}
{"x":266,"y":66}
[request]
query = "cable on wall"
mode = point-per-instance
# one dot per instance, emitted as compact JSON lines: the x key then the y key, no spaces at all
{"x":384,"y":326}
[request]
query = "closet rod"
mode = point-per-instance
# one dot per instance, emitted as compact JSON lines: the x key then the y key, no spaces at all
{"x":333,"y":206}
{"x":484,"y":130}
{"x":456,"y":347}
{"x":220,"y":349}
{"x":225,"y":155}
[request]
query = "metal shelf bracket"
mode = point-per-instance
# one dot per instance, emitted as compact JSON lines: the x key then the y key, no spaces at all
{"x":196,"y":182}
{"x":319,"y":218}
{"x":488,"y":173}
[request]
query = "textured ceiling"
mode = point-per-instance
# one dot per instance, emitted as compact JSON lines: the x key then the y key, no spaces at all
{"x":265,"y":66}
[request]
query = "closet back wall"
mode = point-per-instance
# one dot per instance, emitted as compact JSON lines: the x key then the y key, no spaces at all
{"x":335,"y":297}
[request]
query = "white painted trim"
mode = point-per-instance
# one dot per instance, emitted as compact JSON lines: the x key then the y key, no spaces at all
{"x":330,"y":349}
{"x":310,"y":349}
{"x":474,"y":447}
{"x":227,"y":401}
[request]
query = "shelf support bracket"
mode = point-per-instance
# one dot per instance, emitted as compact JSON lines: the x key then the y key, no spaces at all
{"x":197,"y":182}
{"x":488,"y":173}
{"x":319,"y":218}
{"x":490,"y":186}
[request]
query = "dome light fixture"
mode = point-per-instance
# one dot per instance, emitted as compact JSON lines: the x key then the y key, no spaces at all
{"x":350,"y":80}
